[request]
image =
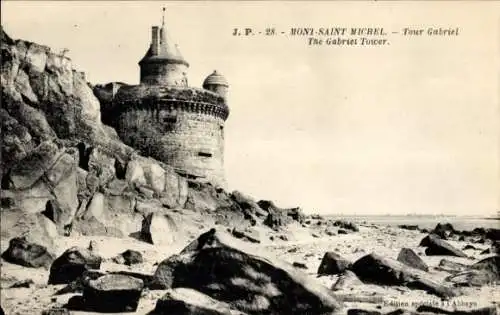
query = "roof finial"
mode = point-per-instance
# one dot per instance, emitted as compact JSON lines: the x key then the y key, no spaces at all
{"x":163,"y":17}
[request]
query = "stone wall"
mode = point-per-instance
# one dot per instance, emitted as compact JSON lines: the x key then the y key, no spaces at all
{"x":164,"y":73}
{"x":192,"y":143}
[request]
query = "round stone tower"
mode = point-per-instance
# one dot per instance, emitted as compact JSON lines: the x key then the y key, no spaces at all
{"x":165,"y":118}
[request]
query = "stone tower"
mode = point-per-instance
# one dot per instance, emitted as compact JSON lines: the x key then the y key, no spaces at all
{"x":165,"y":118}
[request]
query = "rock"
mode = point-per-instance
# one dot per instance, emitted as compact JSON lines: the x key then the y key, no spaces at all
{"x":490,"y":264}
{"x":408,"y":257}
{"x":480,"y":311}
{"x":409,"y":227}
{"x":347,"y":280}
{"x":451,"y":266}
{"x":332,"y":264}
{"x":248,"y":204}
{"x":342,"y":231}
{"x":380,"y":270}
{"x":437,"y":246}
{"x":330,"y":231}
{"x":30,"y":169}
{"x":346,"y":225}
{"x":27,"y":283}
{"x":56,"y":311}
{"x":493,"y":234}
{"x":444,"y":230}
{"x":159,"y":229}
{"x":21,"y":252}
{"x":485,"y":252}
{"x":35,"y":227}
{"x":175,"y":193}
{"x":129,"y":257}
{"x":216,"y":264}
{"x":475,"y":278}
{"x":72,"y":264}
{"x":184,"y":301}
{"x":92,"y":226}
{"x":112,"y":293}
{"x":251,"y":235}
{"x":299,"y":265}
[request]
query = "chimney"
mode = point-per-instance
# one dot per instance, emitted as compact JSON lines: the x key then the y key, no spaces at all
{"x":154,"y":40}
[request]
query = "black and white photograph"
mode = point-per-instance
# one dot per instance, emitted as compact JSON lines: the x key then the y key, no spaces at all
{"x":250,"y":157}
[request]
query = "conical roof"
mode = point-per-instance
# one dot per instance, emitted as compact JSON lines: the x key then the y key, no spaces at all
{"x":168,"y":52}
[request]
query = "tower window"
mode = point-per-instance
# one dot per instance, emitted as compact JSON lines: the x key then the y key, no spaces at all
{"x":170,"y":119}
{"x":205,"y":154}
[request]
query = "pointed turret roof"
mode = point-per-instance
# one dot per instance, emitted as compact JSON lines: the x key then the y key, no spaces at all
{"x":168,"y":52}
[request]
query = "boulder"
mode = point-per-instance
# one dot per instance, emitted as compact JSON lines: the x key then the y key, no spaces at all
{"x":30,"y":169}
{"x":129,"y":257}
{"x":490,"y":264}
{"x":279,"y":217}
{"x":473,"y":278}
{"x":437,"y":246}
{"x":493,"y":234}
{"x":175,"y":192}
{"x":332,"y":263}
{"x":249,"y":234}
{"x":451,"y":266}
{"x":21,"y":252}
{"x":35,"y":227}
{"x":218,"y":265}
{"x":346,"y":225}
{"x":444,"y":230}
{"x":376,"y":269}
{"x":408,"y":257}
{"x":112,"y":293}
{"x":205,"y":197}
{"x":92,"y":226}
{"x":248,"y":204}
{"x":346,"y":280}
{"x":185,"y":301}
{"x":159,"y":229}
{"x":72,"y":264}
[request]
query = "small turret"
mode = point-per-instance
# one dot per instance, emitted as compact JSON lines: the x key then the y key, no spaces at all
{"x":216,"y":83}
{"x":163,"y":63}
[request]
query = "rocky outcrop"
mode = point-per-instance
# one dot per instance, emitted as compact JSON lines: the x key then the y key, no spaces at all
{"x":249,"y":283}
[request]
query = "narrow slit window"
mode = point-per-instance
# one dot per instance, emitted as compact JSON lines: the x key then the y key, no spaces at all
{"x":205,"y":154}
{"x":170,"y":119}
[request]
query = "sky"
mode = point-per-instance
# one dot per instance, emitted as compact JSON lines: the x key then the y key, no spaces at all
{"x":408,"y":127}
